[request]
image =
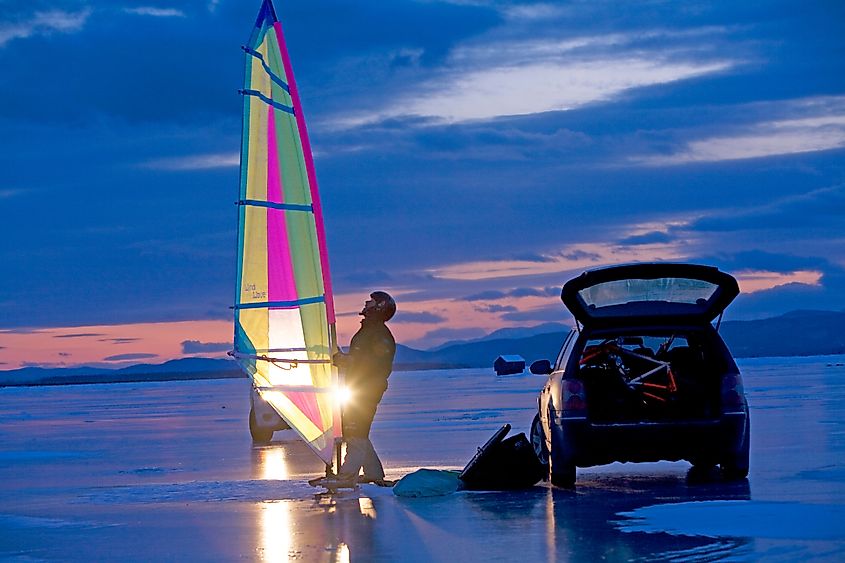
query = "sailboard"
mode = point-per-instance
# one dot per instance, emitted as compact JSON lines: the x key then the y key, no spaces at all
{"x":284,"y":319}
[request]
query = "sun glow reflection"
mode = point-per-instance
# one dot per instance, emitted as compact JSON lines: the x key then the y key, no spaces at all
{"x":276,"y":542}
{"x":367,"y":508}
{"x":342,"y":554}
{"x":272,"y":464}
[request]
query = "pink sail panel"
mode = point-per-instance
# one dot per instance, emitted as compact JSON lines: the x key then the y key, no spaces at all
{"x":307,"y":403}
{"x":281,"y":281}
{"x":312,"y":176}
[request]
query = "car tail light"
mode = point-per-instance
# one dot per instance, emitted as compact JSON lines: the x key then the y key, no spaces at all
{"x":574,"y":403}
{"x":733,"y":394}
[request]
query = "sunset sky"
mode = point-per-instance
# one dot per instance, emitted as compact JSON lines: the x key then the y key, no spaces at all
{"x":472,"y":155}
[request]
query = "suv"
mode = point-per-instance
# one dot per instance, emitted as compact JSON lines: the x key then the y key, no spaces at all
{"x":646,"y":376}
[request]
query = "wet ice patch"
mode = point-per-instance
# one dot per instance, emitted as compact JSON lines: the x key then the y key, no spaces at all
{"x":217,"y":491}
{"x":33,"y":455}
{"x":201,"y":491}
{"x":11,"y":522}
{"x":141,"y":471}
{"x":760,"y":519}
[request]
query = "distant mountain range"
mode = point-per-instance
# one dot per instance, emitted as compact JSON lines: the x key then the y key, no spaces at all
{"x":799,"y":333}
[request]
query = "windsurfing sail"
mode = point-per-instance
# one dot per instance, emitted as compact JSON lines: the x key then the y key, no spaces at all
{"x":284,"y":312}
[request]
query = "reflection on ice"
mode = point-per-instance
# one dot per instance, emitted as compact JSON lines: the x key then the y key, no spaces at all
{"x":365,"y":505}
{"x":342,"y":554}
{"x":272,"y":464}
{"x":275,"y":529}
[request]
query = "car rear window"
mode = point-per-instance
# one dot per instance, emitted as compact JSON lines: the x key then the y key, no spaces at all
{"x":665,"y":290}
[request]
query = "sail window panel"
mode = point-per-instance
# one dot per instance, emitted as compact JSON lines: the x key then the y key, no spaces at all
{"x":254,"y":283}
{"x":256,"y":164}
{"x":273,"y":58}
{"x":316,"y":332}
{"x":294,"y":175}
{"x":285,"y":333}
{"x":306,"y":259}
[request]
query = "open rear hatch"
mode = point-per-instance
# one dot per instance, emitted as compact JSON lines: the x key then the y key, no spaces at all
{"x":649,"y":293}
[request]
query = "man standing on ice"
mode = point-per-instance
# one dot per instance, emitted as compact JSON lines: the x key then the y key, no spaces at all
{"x":367,"y":367}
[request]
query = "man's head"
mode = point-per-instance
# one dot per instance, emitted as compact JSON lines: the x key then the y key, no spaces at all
{"x":380,"y":306}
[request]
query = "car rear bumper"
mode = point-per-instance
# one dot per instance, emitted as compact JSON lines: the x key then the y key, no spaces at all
{"x":696,"y":441}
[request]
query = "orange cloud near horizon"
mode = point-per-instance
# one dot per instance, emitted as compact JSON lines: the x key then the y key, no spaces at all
{"x":121,"y":345}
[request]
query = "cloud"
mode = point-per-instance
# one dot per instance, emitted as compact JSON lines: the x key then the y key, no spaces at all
{"x":44,"y":23}
{"x":493,"y":308}
{"x":127,"y":357}
{"x":760,"y":260}
{"x":120,"y":340}
{"x":197,"y":347}
{"x":654,"y":237}
{"x":542,"y":87}
{"x":542,"y":314}
{"x":490,"y":295}
{"x":533,"y":257}
{"x":421,"y":317}
{"x":495,"y":295}
{"x":530,"y":12}
{"x":807,"y":212}
{"x":155,"y":12}
{"x":366,"y":278}
{"x":9,"y":193}
{"x":823,"y":129}
{"x":78,"y":335}
{"x":505,"y":77}
{"x":195,"y":162}
{"x":580,"y":255}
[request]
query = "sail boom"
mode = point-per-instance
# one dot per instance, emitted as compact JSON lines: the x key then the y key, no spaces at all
{"x":291,"y":361}
{"x":297,"y":388}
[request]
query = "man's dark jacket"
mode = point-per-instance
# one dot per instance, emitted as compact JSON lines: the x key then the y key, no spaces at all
{"x":368,"y":365}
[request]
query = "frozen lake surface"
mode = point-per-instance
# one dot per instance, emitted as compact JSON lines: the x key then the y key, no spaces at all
{"x":167,"y":471}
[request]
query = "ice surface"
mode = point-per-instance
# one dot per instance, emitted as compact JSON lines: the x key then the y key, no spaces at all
{"x":789,"y":520}
{"x":166,"y":471}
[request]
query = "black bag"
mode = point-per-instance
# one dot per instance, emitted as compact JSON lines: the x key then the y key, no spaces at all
{"x":503,"y":464}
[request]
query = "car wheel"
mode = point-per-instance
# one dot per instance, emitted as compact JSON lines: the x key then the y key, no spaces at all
{"x":735,"y":464}
{"x":563,"y":475}
{"x":538,"y":441}
{"x":258,"y":433}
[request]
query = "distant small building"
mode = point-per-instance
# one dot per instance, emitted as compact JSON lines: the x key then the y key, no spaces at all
{"x":507,"y":365}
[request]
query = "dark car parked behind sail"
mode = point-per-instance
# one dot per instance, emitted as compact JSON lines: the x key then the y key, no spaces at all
{"x":646,"y":376}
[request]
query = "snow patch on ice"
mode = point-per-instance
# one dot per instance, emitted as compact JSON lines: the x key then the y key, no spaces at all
{"x":775,"y":520}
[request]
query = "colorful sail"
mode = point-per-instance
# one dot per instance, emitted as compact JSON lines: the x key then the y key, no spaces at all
{"x":284,"y":313}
